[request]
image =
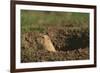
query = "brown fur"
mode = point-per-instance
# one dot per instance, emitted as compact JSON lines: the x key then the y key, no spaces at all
{"x":46,"y":43}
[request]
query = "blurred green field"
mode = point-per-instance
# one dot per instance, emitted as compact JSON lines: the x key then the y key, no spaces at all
{"x":39,"y":20}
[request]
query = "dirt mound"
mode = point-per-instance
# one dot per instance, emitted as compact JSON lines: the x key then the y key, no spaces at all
{"x":70,"y":45}
{"x":68,"y":39}
{"x":44,"y":55}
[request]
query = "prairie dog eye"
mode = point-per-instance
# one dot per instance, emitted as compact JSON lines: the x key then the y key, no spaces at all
{"x":42,"y":36}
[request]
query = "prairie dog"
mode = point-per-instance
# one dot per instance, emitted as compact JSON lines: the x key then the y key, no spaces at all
{"x":46,"y":43}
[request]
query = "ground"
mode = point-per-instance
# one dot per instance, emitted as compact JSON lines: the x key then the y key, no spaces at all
{"x":68,"y":32}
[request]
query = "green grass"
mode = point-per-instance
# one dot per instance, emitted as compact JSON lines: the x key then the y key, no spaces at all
{"x":39,"y":20}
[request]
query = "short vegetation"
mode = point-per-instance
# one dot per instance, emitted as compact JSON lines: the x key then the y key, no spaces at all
{"x":68,"y":31}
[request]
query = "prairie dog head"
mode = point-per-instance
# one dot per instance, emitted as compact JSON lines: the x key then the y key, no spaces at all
{"x":44,"y":39}
{"x":46,"y":42}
